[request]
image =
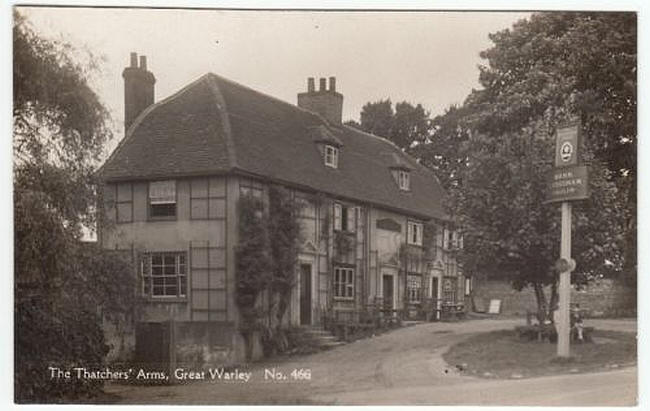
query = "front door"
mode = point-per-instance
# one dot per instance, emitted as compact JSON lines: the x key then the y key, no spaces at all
{"x":305,"y":294}
{"x":434,"y":289}
{"x":387,"y":283}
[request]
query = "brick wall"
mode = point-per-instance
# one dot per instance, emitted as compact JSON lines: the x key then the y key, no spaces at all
{"x":603,"y":297}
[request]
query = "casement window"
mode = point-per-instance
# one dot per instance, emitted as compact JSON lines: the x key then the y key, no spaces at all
{"x":414,"y":288}
{"x":164,"y":274}
{"x":414,"y":233}
{"x":344,"y":283}
{"x":345,"y":218}
{"x":162,"y":199}
{"x":450,"y":239}
{"x":404,"y":180}
{"x":331,"y":156}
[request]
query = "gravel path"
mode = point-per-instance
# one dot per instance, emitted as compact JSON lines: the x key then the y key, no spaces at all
{"x":404,"y":366}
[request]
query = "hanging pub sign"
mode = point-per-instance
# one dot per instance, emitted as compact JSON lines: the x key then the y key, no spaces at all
{"x":569,"y":181}
{"x":567,"y":144}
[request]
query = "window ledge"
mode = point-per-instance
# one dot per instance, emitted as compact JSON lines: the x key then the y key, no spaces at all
{"x":171,"y":218}
{"x":350,"y":233}
{"x":149,"y":299}
{"x":346,"y":299}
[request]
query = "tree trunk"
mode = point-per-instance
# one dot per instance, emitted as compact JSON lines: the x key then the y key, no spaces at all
{"x":283,"y":304}
{"x":555,"y":301}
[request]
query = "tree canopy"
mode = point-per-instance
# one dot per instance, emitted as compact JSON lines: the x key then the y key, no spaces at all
{"x":406,"y":125}
{"x":61,"y":282}
{"x":543,"y":71}
{"x":493,"y":153}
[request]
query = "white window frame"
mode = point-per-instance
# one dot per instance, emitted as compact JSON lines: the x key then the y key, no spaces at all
{"x":345,"y":218}
{"x":468,"y":286}
{"x":162,"y":193}
{"x":178,"y":279}
{"x":331,"y":156}
{"x":404,"y":180}
{"x":414,"y":233}
{"x":414,"y":293}
{"x":343,"y":283}
{"x":338,"y":216}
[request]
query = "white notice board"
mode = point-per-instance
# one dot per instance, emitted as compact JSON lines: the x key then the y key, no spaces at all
{"x":495,"y":307}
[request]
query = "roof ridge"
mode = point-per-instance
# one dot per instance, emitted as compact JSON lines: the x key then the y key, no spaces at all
{"x":222,"y":109}
{"x":294,"y":106}
{"x":395,"y":146}
{"x":142,"y":115}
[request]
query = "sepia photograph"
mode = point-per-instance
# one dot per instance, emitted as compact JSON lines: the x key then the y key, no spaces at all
{"x":323,"y":206}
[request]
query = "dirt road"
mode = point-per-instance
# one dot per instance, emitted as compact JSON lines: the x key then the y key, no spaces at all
{"x":401,"y":367}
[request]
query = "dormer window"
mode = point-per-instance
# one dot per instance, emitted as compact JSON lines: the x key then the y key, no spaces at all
{"x":404,"y":180}
{"x":400,"y":169}
{"x":331,"y":156}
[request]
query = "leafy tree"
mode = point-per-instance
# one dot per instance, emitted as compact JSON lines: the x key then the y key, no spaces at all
{"x":581,"y":64}
{"x":545,"y":70}
{"x":445,"y":150}
{"x":406,"y":126}
{"x":508,"y":227}
{"x":61,"y":283}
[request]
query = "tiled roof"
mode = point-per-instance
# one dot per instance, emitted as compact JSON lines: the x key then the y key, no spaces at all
{"x":217,"y":126}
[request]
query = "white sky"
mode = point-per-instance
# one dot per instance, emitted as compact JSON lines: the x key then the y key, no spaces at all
{"x":421,"y":57}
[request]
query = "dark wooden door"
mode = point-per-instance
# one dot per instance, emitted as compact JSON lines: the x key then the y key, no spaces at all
{"x":434,"y":288}
{"x":388,"y":291}
{"x":305,"y":294}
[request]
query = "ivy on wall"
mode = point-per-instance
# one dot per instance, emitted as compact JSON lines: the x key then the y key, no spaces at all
{"x":252,"y":256}
{"x":344,"y":243}
{"x":266,"y":256}
{"x":284,"y":232}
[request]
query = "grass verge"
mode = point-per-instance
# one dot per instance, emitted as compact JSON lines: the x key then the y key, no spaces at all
{"x":500,"y":354}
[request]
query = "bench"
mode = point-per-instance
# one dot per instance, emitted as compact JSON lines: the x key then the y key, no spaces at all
{"x":536,"y":332}
{"x":547,"y":332}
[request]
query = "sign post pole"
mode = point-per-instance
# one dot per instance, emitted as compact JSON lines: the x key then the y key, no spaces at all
{"x":569,"y":181}
{"x":563,"y":317}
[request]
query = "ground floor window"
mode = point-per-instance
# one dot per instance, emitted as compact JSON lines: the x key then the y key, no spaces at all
{"x":449,"y":290}
{"x":414,"y":287}
{"x":343,"y":282}
{"x":164,"y":274}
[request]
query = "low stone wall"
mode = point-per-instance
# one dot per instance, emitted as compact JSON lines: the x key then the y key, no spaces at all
{"x":196,"y":344}
{"x":601,"y":298}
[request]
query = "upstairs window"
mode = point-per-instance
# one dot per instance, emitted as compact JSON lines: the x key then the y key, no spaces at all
{"x":414,"y":234}
{"x":162,"y":199}
{"x":344,"y":218}
{"x":331,"y":156}
{"x":403,"y":180}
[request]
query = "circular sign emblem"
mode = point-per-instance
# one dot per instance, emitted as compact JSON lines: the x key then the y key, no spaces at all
{"x":566,"y":150}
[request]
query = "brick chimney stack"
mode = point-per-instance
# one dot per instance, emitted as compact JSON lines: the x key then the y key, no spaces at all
{"x":138,"y":89}
{"x":324,"y":101}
